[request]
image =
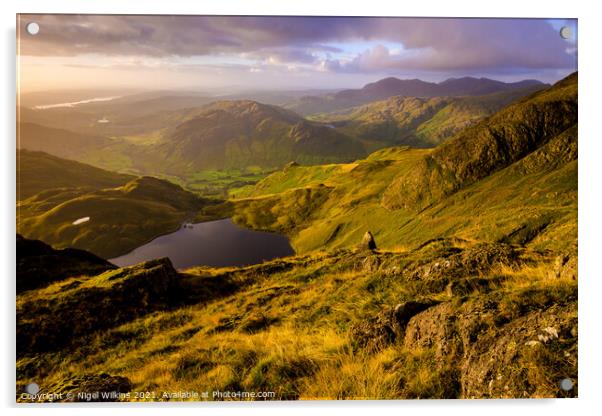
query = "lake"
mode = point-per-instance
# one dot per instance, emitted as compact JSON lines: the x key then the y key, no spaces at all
{"x":76,"y":103}
{"x":212,"y":243}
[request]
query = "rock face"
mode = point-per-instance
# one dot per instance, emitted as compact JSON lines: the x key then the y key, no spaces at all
{"x":484,"y":352}
{"x":525,"y":357}
{"x":491,"y":337}
{"x":368,"y":242}
{"x":386,"y":327}
{"x":38,"y":264}
{"x":565,"y":265}
{"x":475,"y":260}
{"x":370,"y":264}
{"x":290,"y":165}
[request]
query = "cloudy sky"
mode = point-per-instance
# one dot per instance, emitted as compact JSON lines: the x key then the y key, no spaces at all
{"x":87,"y":51}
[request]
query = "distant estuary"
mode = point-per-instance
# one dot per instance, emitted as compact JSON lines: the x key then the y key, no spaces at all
{"x":214,"y":243}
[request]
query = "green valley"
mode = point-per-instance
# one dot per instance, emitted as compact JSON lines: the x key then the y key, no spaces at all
{"x":523,"y":194}
{"x":222,"y":147}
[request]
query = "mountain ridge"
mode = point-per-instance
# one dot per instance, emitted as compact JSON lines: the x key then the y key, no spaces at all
{"x":391,"y":86}
{"x":241,"y":133}
{"x":488,"y":146}
{"x":419,"y":121}
{"x":409,"y":195}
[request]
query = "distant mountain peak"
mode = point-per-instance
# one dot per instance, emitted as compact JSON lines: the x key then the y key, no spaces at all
{"x":411,"y":87}
{"x":454,"y":79}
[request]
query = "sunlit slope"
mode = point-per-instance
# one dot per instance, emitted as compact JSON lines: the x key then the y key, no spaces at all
{"x":471,"y":292}
{"x":515,"y":181}
{"x":124,"y":211}
{"x":483,"y":149}
{"x":422,"y":323}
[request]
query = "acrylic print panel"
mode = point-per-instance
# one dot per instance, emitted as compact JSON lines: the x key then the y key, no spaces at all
{"x":282,"y":208}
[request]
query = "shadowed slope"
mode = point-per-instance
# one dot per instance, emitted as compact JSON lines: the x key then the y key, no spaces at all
{"x":237,"y":134}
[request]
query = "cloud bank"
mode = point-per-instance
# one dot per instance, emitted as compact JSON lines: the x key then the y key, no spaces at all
{"x":427,"y":43}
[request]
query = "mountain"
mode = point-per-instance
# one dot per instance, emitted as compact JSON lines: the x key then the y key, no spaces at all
{"x":130,"y":114}
{"x":124,"y":211}
{"x":39,"y":171}
{"x":471,"y":290}
{"x":482,"y":86}
{"x":178,"y":134}
{"x":418,"y":122}
{"x":517,"y":169}
{"x":236,"y":134}
{"x":489,"y":146}
{"x":389,"y":187}
{"x":237,"y":141}
{"x":59,"y":142}
{"x":389,"y":87}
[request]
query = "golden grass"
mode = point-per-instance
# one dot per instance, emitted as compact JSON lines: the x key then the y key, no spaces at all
{"x":288,"y":332}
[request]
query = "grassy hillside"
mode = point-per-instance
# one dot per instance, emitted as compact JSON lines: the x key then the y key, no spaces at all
{"x":524,"y":192}
{"x":471,"y":291}
{"x":419,"y":122}
{"x":239,"y":134}
{"x":58,"y":142}
{"x":192,"y":142}
{"x":124,"y":211}
{"x":424,"y":323}
{"x":116,"y":154}
{"x":495,"y":143}
{"x":214,"y":149}
{"x":539,"y":203}
{"x":39,"y":171}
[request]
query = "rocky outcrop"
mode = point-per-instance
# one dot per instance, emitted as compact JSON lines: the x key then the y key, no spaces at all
{"x":387,"y":327}
{"x":469,"y":262}
{"x":497,"y":356}
{"x":368,"y":242}
{"x":290,"y":165}
{"x":488,"y":334}
{"x":565,"y":265}
{"x":64,"y":313}
{"x":38,"y":264}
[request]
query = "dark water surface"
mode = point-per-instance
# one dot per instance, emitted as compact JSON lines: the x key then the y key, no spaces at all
{"x":213,"y":243}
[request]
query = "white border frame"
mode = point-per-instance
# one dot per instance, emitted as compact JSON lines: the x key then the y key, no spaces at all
{"x":590,"y":228}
